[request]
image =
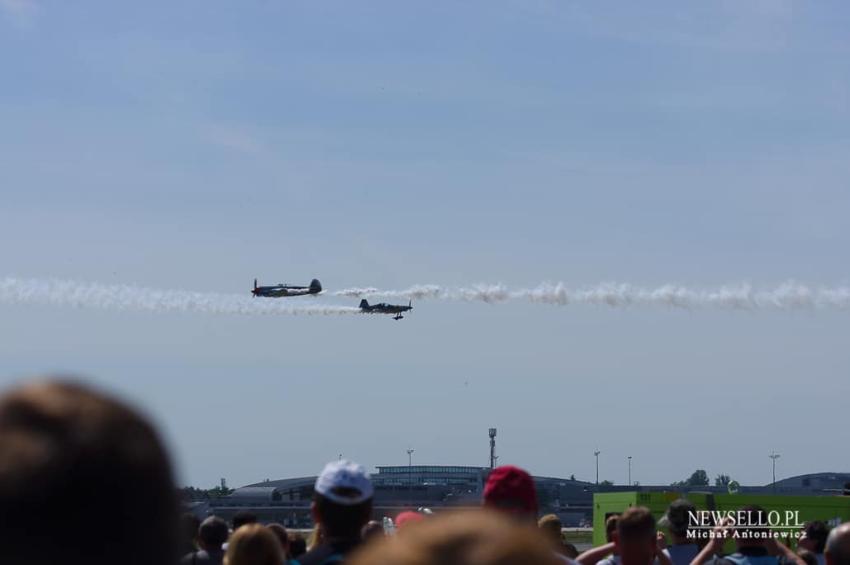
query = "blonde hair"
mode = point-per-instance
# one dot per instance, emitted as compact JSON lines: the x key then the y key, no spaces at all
{"x":478,"y":536}
{"x":253,"y":544}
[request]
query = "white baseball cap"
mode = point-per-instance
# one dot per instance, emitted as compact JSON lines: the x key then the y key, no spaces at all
{"x":345,"y":482}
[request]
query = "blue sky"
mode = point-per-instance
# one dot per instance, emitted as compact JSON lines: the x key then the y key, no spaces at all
{"x":197,"y":145}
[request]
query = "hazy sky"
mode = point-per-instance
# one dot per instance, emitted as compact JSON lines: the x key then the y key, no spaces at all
{"x":199,"y":144}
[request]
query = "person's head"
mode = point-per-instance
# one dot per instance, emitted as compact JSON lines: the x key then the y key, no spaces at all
{"x":749,"y":533}
{"x":814,"y":536}
{"x":837,"y":551}
{"x":83,"y":477}
{"x":253,"y":544}
{"x":243,"y":517}
{"x":635,"y":539}
{"x":408,"y":517}
{"x":297,"y":546}
{"x":189,"y":524}
{"x":212,"y":534}
{"x":282,"y":535}
{"x":611,"y":527}
{"x":807,"y":556}
{"x":343,"y":500}
{"x":550,"y":526}
{"x":511,"y":489}
{"x":480,"y":537}
{"x":677,"y":519}
{"x":373,"y":530}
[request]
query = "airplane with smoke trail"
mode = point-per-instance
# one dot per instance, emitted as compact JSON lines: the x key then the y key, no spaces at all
{"x":282,"y":290}
{"x":384,"y":308}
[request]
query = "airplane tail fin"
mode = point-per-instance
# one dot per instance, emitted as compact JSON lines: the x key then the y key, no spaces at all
{"x":364,"y":303}
{"x":255,"y":284}
{"x":315,"y":286}
{"x":410,"y":304}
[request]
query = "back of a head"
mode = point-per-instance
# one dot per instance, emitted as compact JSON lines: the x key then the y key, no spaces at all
{"x":213,"y":533}
{"x":511,"y":489}
{"x":837,"y":550}
{"x":297,"y":546}
{"x":749,"y":529}
{"x":189,"y":524}
{"x":243,"y":517}
{"x":677,"y":517}
{"x":636,"y":536}
{"x":816,"y":534}
{"x":479,"y":537}
{"x":342,"y":503}
{"x":83,"y":479}
{"x":550,"y":525}
{"x":253,"y":544}
{"x":807,"y":556}
{"x":611,"y":527}
{"x":344,"y":521}
{"x":279,"y":530}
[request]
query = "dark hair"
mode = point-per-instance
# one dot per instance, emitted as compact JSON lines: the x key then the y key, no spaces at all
{"x":243,"y":517}
{"x":213,"y":533}
{"x":807,"y":556}
{"x":611,"y":526}
{"x":342,"y":521}
{"x":280,"y":531}
{"x":635,"y":523}
{"x":297,"y":546}
{"x":817,"y":531}
{"x":750,"y":531}
{"x":189,"y":524}
{"x":83,"y":478}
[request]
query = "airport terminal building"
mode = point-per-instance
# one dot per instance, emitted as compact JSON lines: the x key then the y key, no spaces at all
{"x":399,"y":488}
{"x":438,"y":487}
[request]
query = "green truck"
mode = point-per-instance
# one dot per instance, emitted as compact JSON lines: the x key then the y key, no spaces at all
{"x":830,"y":509}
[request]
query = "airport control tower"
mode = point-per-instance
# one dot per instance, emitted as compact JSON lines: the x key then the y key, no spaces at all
{"x":492,"y":433}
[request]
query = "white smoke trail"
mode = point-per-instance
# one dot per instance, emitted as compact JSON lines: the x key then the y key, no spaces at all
{"x":787,"y":296}
{"x":126,"y":297}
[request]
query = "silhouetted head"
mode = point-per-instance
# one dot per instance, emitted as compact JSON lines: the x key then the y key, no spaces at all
{"x":189,"y":524}
{"x":635,"y":539}
{"x":253,"y":544}
{"x":282,"y":535}
{"x":83,"y":479}
{"x":814,"y":536}
{"x":479,"y":537}
{"x":241,"y":518}
{"x":212,"y":534}
{"x":342,"y":504}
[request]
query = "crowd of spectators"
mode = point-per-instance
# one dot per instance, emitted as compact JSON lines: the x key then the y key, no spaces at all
{"x":85,"y":479}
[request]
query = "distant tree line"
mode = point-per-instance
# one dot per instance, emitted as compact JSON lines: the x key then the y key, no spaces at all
{"x":193,"y":494}
{"x":699,"y":478}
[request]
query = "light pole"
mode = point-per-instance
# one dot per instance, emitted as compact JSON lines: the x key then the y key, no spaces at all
{"x":596,"y":454}
{"x":630,"y":470}
{"x":410,"y":475}
{"x":773,"y":455}
{"x":492,"y":433}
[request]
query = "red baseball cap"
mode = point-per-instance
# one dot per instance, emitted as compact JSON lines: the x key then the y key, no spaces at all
{"x":511,"y":489}
{"x":407,"y":517}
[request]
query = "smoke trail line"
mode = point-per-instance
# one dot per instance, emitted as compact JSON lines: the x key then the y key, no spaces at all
{"x":127,"y":297}
{"x":787,"y":296}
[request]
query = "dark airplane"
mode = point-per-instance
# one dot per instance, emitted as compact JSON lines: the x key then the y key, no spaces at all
{"x":280,"y":290}
{"x":383,"y":308}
